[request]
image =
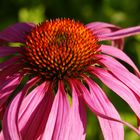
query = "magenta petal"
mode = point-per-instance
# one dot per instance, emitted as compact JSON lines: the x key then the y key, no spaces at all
{"x":111,"y":130}
{"x":5,"y":51}
{"x":30,"y":103}
{"x":118,"y":87}
{"x":16,"y":32}
{"x":1,"y":136}
{"x":34,"y":112}
{"x":61,"y":124}
{"x":10,"y":62}
{"x":50,"y":126}
{"x":77,"y":117}
{"x":10,"y":128}
{"x":7,"y":87}
{"x":118,"y":54}
{"x":9,"y":71}
{"x":121,"y":73}
{"x":121,"y":33}
{"x":91,"y":103}
{"x":52,"y":120}
{"x":118,"y":43}
{"x":10,"y":120}
{"x":2,"y":110}
{"x":101,"y":28}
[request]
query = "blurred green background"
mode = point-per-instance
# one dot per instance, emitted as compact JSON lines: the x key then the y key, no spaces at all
{"x":123,"y":13}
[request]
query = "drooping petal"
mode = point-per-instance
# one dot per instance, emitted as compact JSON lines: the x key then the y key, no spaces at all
{"x":2,"y":110}
{"x":10,"y":71}
{"x":1,"y":136}
{"x":5,"y":51}
{"x":118,"y":43}
{"x":77,"y":117}
{"x":118,"y":87}
{"x":118,"y":54}
{"x":57,"y":116}
{"x":10,"y":119}
{"x":101,"y":28}
{"x":8,"y":86}
{"x":10,"y":62}
{"x":34,"y":112}
{"x":91,"y":103}
{"x":121,"y":73}
{"x":111,"y":130}
{"x":120,"y":33}
{"x":16,"y":32}
{"x":61,"y":124}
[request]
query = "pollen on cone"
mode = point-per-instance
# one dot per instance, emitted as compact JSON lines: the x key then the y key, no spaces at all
{"x":60,"y":47}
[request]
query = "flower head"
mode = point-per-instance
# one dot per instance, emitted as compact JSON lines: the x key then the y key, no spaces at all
{"x":58,"y":59}
{"x":60,"y":48}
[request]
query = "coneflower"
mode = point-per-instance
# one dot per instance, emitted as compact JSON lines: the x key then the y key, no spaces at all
{"x":59,"y":62}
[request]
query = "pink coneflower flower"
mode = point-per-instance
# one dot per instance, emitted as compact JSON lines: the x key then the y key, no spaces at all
{"x":47,"y":81}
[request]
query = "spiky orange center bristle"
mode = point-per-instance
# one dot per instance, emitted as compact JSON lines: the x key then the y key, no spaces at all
{"x":60,"y":47}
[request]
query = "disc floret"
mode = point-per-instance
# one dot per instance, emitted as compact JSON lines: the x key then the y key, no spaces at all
{"x":60,"y":47}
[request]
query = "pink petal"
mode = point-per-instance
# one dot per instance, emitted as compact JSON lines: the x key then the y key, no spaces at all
{"x":118,"y":87}
{"x":121,"y":73}
{"x":101,"y":28}
{"x":54,"y":123}
{"x":34,"y":112}
{"x":10,"y":121}
{"x":118,"y":43}
{"x":2,"y":110}
{"x":1,"y":136}
{"x":91,"y":103}
{"x":77,"y":117}
{"x":121,"y":33}
{"x":111,"y":130}
{"x":10,"y":62}
{"x":5,"y":51}
{"x":16,"y":32}
{"x":118,"y":54}
{"x":8,"y":86}
{"x":10,"y":71}
{"x":62,"y":116}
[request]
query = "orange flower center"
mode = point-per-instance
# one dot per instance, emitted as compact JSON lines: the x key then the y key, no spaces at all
{"x":60,"y":47}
